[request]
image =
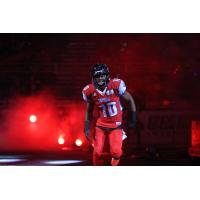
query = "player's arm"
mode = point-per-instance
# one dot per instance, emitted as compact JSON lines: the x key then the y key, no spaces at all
{"x":88,"y":118}
{"x":89,"y":110}
{"x":132,"y":114}
{"x":128,"y":97}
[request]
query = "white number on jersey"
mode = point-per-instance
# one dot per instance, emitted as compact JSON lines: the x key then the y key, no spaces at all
{"x":109,"y":109}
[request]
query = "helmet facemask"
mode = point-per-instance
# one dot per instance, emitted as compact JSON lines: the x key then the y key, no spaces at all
{"x":100,"y":80}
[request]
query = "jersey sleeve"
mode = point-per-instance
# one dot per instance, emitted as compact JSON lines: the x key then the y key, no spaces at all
{"x":120,"y":86}
{"x":86,"y":92}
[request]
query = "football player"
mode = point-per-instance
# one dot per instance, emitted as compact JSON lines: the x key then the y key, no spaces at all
{"x":104,"y":94}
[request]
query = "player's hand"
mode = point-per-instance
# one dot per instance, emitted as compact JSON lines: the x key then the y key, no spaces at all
{"x":132,"y":120}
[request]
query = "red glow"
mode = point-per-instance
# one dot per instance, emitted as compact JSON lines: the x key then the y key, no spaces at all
{"x":61,"y":140}
{"x":50,"y":124}
{"x":33,"y":118}
{"x":78,"y":142}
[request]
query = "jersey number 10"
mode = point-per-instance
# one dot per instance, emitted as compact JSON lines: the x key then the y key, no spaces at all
{"x":109,"y":109}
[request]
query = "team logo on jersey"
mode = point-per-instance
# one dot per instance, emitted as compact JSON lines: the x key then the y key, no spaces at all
{"x":104,"y":99}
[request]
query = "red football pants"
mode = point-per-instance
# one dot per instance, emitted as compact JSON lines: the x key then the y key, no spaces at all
{"x":115,"y":141}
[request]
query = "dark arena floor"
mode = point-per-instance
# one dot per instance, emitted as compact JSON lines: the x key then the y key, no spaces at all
{"x":80,"y":158}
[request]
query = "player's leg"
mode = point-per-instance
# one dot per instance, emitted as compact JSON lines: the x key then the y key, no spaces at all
{"x":99,"y":139}
{"x":115,"y":140}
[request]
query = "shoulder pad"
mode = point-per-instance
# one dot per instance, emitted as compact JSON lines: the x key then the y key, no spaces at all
{"x":116,"y":80}
{"x":88,"y":88}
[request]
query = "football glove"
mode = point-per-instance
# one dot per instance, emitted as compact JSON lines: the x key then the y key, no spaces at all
{"x":132,"y":119}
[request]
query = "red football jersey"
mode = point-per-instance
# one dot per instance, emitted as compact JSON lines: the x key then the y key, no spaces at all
{"x":107,"y":102}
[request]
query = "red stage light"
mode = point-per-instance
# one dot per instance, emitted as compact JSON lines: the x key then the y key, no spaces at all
{"x":78,"y":142}
{"x":61,"y":140}
{"x":32,"y":118}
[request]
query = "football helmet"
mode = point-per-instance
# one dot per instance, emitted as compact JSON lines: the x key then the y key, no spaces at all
{"x":100,"y":75}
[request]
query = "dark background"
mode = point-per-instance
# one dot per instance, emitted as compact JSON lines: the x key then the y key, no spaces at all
{"x":159,"y":69}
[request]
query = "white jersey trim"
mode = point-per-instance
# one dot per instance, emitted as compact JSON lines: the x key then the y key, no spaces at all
{"x":122,"y":88}
{"x":100,"y":92}
{"x":85,"y":97}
